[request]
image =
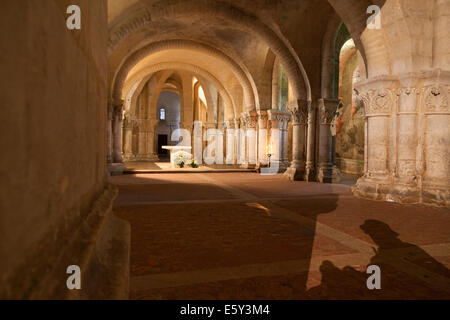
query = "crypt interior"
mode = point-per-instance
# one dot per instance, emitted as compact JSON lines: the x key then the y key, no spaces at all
{"x":316,"y":145}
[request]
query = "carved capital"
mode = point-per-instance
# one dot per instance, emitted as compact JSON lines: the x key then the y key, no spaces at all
{"x":277,"y":118}
{"x":251,"y":118}
{"x":230,"y":124}
{"x":436,"y":98}
{"x":408,"y":97}
{"x":328,"y":110}
{"x":262,"y":119}
{"x":379,"y":101}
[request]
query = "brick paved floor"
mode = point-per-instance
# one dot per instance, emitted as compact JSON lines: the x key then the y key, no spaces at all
{"x":248,"y":236}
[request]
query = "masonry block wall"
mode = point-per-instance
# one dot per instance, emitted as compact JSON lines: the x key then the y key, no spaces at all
{"x":53,"y":164}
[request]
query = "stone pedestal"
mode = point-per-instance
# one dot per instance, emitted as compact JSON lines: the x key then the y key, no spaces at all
{"x":299,"y":114}
{"x":328,"y":172}
{"x":407,"y":139}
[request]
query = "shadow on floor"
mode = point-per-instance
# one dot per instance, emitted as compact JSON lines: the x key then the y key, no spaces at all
{"x":407,"y":272}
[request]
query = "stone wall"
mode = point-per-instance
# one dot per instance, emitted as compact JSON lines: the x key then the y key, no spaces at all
{"x":54,"y":194}
{"x":350,"y":138}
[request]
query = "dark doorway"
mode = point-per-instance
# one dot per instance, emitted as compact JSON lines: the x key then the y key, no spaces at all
{"x":162,"y":141}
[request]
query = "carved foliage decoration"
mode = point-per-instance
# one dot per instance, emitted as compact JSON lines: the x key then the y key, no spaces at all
{"x":378,"y":101}
{"x":328,"y":111}
{"x":299,"y":115}
{"x":436,"y":99}
{"x":408,"y":99}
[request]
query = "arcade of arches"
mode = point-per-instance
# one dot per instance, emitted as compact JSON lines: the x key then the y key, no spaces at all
{"x":303,"y":85}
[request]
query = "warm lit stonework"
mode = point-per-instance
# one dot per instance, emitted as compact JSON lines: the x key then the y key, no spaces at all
{"x":265,"y":138}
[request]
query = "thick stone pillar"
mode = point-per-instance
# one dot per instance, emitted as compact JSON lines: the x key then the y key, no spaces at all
{"x":433,"y":165}
{"x":407,"y":140}
{"x":379,"y":98}
{"x":262,"y":139}
{"x":299,"y":115}
{"x":251,"y":137}
{"x":328,"y":172}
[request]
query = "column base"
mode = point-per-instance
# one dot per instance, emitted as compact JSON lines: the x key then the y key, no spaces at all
{"x":295,"y":173}
{"x":247,"y":166}
{"x":146,"y":157}
{"x":128,"y":157}
{"x":329,"y":174}
{"x":284,"y":165}
{"x":116,"y":168}
{"x":399,"y":191}
{"x":310,"y":175}
{"x":436,"y":194}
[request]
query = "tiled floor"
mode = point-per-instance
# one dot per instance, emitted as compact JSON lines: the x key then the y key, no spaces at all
{"x":249,"y":236}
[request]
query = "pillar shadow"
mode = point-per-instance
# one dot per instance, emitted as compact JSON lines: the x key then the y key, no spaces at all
{"x":407,"y":271}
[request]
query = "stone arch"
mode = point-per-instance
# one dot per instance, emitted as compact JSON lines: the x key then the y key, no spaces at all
{"x":371,"y":43}
{"x":140,"y":15}
{"x":133,"y":59}
{"x":403,"y":47}
{"x":265,"y":92}
{"x":209,"y":100}
{"x":229,"y":102}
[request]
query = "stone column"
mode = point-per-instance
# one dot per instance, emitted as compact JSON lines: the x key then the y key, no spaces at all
{"x":262,"y":139}
{"x":299,"y":115}
{"x":284,"y":161}
{"x":237,"y":141}
{"x":230,"y":142}
{"x":407,"y":139}
{"x":152,"y":152}
{"x":128,"y":133}
{"x":433,"y":150}
{"x":243,"y":161}
{"x":142,"y":142}
{"x":310,"y":144}
{"x":251,"y":137}
{"x":197,"y":142}
{"x":328,"y":172}
{"x":219,"y":147}
{"x":277,"y":120}
{"x":210,"y":134}
{"x":109,"y":133}
{"x":116,"y":165}
{"x":379,"y":98}
{"x":117,"y":134}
